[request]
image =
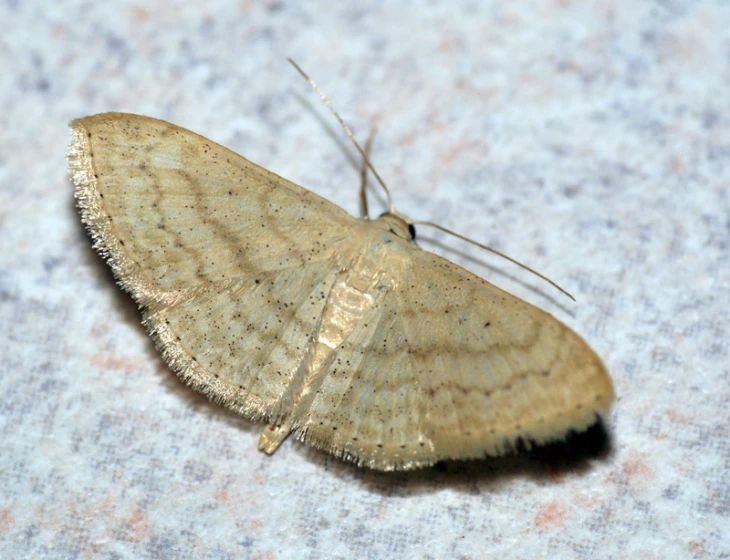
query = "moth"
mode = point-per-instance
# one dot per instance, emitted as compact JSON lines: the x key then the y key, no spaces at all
{"x":280,"y":305}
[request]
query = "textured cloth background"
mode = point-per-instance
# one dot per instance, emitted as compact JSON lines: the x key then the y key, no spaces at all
{"x":589,"y":139}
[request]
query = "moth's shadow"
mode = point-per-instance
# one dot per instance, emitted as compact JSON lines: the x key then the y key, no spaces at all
{"x":547,"y":463}
{"x":124,"y":303}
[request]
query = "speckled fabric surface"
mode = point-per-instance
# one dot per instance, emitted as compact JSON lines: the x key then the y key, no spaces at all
{"x":589,"y":139}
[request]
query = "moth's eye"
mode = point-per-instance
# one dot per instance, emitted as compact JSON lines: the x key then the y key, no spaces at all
{"x":412,"y":231}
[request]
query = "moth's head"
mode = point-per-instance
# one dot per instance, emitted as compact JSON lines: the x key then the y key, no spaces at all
{"x":397,"y":226}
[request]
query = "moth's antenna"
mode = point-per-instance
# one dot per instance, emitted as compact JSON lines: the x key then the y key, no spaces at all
{"x":364,"y":176}
{"x":392,"y":209}
{"x":347,"y":130}
{"x":486,"y":248}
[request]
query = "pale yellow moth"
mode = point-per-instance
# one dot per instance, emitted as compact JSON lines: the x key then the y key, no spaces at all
{"x":281,"y":306}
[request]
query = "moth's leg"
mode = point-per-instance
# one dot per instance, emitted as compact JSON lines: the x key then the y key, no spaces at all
{"x":273,"y":436}
{"x":364,"y":175}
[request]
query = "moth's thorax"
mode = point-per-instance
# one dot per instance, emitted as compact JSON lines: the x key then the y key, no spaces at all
{"x":376,"y":246}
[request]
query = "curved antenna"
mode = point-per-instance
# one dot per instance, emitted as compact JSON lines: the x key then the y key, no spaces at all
{"x":486,"y":248}
{"x":326,"y":101}
{"x":391,"y":208}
